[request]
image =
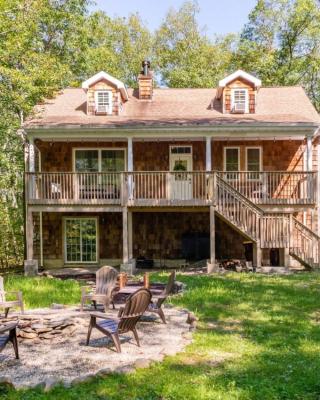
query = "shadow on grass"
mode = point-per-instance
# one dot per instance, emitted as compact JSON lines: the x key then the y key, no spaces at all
{"x":257,"y":339}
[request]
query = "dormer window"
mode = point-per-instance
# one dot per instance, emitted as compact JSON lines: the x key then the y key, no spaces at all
{"x":103,"y":100}
{"x":238,"y":93}
{"x":239,"y":101}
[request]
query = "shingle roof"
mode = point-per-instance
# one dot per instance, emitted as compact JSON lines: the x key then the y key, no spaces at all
{"x":278,"y":105}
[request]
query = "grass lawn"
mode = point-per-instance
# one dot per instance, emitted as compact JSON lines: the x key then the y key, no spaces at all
{"x":258,"y":338}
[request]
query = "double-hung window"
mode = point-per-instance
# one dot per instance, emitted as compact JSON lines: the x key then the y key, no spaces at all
{"x":99,"y":169}
{"x":239,"y":100}
{"x":253,"y":162}
{"x":103,"y":100}
{"x":231,"y":162}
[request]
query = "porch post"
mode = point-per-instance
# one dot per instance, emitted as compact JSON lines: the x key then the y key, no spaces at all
{"x":125,"y":235}
{"x":30,"y":265}
{"x":31,"y":156}
{"x":257,"y":255}
{"x":309,"y":153}
{"x":29,"y":235}
{"x":211,"y":265}
{"x":309,"y":166}
{"x":208,"y":154}
{"x":130,"y":167}
{"x":130,"y":243}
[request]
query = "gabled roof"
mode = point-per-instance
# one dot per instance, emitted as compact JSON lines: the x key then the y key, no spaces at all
{"x":104,"y":76}
{"x":183,"y":107}
{"x":240,"y":74}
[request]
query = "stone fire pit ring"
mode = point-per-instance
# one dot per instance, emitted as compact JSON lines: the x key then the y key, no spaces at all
{"x":53,"y":350}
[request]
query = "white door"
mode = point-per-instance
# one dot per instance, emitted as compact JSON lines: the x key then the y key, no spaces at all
{"x":180,"y":179}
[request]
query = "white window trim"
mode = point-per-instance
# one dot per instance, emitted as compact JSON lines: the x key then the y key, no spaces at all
{"x":247,"y":98}
{"x":260,"y":156}
{"x":64,"y":232}
{"x":99,"y":149}
{"x":225,"y":157}
{"x":260,"y":162}
{"x":96,"y":93}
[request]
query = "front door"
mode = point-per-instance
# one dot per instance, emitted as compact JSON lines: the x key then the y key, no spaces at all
{"x":181,"y":180}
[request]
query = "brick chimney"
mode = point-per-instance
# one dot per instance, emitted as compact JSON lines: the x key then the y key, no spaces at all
{"x":145,"y":80}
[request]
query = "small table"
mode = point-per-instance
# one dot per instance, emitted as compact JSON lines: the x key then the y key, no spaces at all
{"x":127,"y":290}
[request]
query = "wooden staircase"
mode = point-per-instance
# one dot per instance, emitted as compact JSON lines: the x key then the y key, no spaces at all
{"x":267,"y":230}
{"x":304,"y":245}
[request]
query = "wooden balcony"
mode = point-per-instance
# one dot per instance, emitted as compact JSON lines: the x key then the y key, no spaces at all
{"x":154,"y":189}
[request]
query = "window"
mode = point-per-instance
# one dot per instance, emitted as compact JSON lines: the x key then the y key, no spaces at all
{"x":253,"y":161}
{"x":239,"y":100}
{"x":180,"y":149}
{"x":99,"y":160}
{"x":231,"y":161}
{"x":80,"y":240}
{"x":103,"y":99}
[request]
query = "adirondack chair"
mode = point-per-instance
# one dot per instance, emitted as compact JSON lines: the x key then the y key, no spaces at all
{"x":156,"y":307}
{"x":106,"y":278}
{"x":7,"y":304}
{"x":128,"y":316}
{"x":11,"y":336}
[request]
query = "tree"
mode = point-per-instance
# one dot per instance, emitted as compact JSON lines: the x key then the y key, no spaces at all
{"x":184,"y":54}
{"x":281,"y":44}
{"x":117,"y":46}
{"x":41,"y":45}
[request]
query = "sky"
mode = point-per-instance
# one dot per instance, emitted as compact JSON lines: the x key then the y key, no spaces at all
{"x":218,"y":16}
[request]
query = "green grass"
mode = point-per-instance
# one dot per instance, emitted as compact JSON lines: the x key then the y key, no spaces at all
{"x":258,"y":338}
{"x":42,"y":292}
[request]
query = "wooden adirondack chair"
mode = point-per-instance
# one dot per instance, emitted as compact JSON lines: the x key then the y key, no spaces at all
{"x":156,"y":306}
{"x":11,"y":336}
{"x":128,"y":316}
{"x":106,"y":278}
{"x":7,"y":304}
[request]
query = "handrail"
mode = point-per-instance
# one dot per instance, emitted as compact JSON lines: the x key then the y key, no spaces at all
{"x":304,"y":227}
{"x":305,"y":244}
{"x":240,"y":195}
{"x":271,"y":229}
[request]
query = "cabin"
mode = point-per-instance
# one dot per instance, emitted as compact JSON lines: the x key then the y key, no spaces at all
{"x":166,"y":176}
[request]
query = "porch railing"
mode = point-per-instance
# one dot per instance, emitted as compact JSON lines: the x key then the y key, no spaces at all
{"x":168,"y":188}
{"x":304,"y":244}
{"x":280,"y":187}
{"x":74,"y":188}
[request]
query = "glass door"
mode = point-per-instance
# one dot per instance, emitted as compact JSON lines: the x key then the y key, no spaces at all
{"x":80,"y":240}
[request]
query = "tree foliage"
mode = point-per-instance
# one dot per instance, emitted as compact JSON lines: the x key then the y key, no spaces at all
{"x":46,"y":45}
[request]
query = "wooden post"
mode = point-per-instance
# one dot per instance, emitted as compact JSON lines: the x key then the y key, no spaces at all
{"x":125,"y":235}
{"x":309,"y":166}
{"x":146,"y":280}
{"x":208,"y":154}
{"x":211,"y":267}
{"x":130,"y":241}
{"x":257,"y":254}
{"x":29,"y":235}
{"x":41,"y":238}
{"x":130,"y":168}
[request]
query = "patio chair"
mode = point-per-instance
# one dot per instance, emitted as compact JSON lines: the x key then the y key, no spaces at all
{"x":156,"y":307}
{"x":11,"y":336}
{"x":128,"y":316}
{"x":106,"y":278}
{"x":7,"y":304}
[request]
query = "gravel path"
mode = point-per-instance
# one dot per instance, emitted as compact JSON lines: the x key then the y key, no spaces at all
{"x":69,"y":360}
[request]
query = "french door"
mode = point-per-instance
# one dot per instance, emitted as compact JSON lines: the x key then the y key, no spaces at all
{"x":80,"y":240}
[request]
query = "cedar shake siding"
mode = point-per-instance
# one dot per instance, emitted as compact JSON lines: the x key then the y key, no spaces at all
{"x":158,"y":236}
{"x":279,"y":155}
